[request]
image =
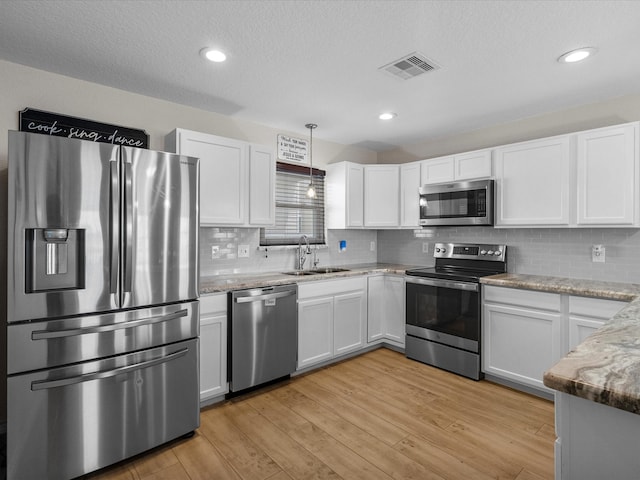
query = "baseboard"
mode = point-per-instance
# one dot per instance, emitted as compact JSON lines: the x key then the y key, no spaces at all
{"x":517,"y":386}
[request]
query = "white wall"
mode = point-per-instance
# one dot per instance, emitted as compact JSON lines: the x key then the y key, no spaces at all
{"x":608,"y":112}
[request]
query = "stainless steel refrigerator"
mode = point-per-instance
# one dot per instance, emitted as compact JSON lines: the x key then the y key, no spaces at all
{"x":102,"y":303}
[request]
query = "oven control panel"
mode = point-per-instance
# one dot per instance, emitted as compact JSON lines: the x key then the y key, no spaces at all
{"x":496,"y":253}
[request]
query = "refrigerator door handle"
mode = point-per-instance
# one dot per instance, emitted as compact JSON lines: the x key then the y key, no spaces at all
{"x":72,"y":332}
{"x":128,"y":227}
{"x":115,"y":229}
{"x":64,"y":382}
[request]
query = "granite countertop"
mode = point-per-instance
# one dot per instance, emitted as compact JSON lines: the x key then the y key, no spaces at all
{"x":605,"y":368}
{"x":238,"y":281}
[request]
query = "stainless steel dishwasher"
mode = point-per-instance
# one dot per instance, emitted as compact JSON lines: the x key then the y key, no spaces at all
{"x":263,"y":338}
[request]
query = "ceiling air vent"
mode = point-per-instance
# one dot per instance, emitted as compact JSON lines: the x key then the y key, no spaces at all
{"x":410,"y":66}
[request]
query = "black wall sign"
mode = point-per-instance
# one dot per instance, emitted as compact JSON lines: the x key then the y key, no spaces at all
{"x":47,"y":123}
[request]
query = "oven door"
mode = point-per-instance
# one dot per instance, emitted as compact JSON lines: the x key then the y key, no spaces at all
{"x":444,"y":311}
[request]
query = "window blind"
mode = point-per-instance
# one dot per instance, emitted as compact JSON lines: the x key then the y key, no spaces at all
{"x":296,"y":214}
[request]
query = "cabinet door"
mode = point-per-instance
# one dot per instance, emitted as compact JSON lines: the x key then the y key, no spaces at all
{"x":262,"y":182}
{"x":395,"y":309}
{"x":376,"y":302}
{"x":213,"y":346}
{"x":315,"y":331}
{"x":349,"y":322}
{"x":381,"y":195}
{"x":519,"y":344}
{"x":213,"y":356}
{"x":533,"y":183}
{"x":436,"y":170}
{"x":472,"y":165}
{"x":607,"y":176}
{"x":355,"y":195}
{"x":223,"y":176}
{"x":409,"y":195}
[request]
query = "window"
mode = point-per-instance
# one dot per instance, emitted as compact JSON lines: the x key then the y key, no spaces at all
{"x":296,"y":214}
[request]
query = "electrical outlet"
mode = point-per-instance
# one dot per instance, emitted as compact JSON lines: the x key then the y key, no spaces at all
{"x":372,"y":246}
{"x":214,"y":251}
{"x":598,"y":253}
{"x":243,"y":251}
{"x":425,"y":247}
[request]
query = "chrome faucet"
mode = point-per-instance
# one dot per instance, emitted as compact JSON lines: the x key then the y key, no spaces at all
{"x":302,"y":254}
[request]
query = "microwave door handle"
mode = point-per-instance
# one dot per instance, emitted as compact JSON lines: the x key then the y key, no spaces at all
{"x":114,"y":219}
{"x":128,"y":227}
{"x":65,"y":382}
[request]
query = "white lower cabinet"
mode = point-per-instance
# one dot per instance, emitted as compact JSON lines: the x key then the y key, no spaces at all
{"x":522,"y":334}
{"x":332,"y":319}
{"x":213,"y":347}
{"x":586,"y":315}
{"x":526,"y":332}
{"x":386,"y":307}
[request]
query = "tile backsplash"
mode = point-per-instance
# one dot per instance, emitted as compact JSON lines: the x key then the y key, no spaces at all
{"x":540,"y":251}
{"x":226,"y":240}
{"x":560,"y":252}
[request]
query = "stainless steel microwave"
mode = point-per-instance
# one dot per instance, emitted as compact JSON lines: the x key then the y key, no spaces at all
{"x":458,"y":203}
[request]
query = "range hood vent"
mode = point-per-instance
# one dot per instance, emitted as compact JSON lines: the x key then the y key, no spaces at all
{"x":410,"y":66}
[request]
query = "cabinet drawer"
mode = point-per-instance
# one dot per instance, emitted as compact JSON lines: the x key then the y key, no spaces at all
{"x":331,"y":287}
{"x":522,"y":298}
{"x":213,"y":303}
{"x":595,"y":307}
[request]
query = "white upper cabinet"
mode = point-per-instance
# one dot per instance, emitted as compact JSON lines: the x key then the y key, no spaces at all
{"x":262,"y":183}
{"x":461,"y":166}
{"x":587,"y":178}
{"x":437,"y":170}
{"x":235,"y":178}
{"x":472,"y":165}
{"x":607,"y":169}
{"x":381,"y":195}
{"x":409,"y":195}
{"x":533,"y":182}
{"x":345,"y":195}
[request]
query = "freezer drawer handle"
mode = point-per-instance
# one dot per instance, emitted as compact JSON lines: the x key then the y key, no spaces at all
{"x":64,"y":382}
{"x":72,"y":332}
{"x":260,"y":298}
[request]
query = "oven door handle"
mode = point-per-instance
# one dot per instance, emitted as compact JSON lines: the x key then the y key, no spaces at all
{"x":471,"y":287}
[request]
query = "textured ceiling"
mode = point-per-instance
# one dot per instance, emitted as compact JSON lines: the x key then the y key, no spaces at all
{"x":294,"y":62}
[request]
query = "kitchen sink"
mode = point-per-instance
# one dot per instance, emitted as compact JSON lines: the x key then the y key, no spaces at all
{"x":329,"y":270}
{"x":316,"y":271}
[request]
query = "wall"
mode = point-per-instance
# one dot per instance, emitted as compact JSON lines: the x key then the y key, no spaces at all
{"x":539,"y":251}
{"x":23,"y":87}
{"x":610,"y":112}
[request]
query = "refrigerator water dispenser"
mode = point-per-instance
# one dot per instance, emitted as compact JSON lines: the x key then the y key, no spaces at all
{"x":54,"y":260}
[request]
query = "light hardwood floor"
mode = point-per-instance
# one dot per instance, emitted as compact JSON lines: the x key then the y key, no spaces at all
{"x":376,"y":416}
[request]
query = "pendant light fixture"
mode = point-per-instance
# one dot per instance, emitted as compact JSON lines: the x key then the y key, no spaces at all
{"x":311,"y":189}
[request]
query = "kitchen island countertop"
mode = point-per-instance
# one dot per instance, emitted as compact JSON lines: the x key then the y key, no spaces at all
{"x":605,"y":368}
{"x":238,"y":281}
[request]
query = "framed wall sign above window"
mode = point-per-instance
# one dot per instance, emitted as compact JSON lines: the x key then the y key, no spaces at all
{"x":293,"y":150}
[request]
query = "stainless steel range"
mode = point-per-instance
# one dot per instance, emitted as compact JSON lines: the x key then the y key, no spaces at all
{"x":443,"y":306}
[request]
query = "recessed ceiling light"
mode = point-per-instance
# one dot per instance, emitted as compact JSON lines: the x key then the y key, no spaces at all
{"x":577,"y":55}
{"x":387,"y":116}
{"x":213,"y":55}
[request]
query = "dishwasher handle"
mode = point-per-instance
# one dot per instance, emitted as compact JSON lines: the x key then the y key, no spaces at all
{"x":268,"y":296}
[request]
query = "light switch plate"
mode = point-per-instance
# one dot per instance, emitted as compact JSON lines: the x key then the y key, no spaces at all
{"x":243,"y":251}
{"x":372,"y":246}
{"x":425,"y":247}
